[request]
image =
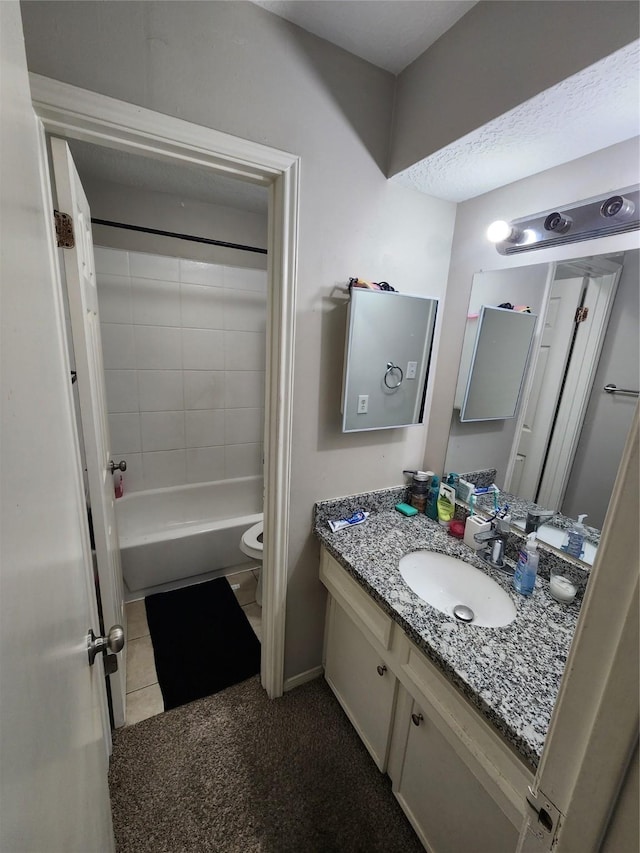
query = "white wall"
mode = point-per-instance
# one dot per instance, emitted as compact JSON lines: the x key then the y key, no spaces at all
{"x":239,"y":69}
{"x":184,"y":356}
{"x":181,"y":214}
{"x":494,"y":58}
{"x":612,"y":168}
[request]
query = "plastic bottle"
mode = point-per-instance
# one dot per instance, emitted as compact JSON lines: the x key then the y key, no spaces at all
{"x":432,"y":498}
{"x":574,"y":545}
{"x":524,"y":578}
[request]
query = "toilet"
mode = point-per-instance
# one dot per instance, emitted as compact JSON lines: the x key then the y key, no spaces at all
{"x":251,"y":544}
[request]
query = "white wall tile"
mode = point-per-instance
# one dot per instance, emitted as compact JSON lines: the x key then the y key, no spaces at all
{"x":202,"y":307}
{"x":244,"y":389}
{"x":244,"y":351}
{"x":205,"y":427}
{"x":240,"y":278}
{"x":114,"y":298}
{"x":122,"y":390}
{"x":159,"y":267}
{"x":132,"y":477}
{"x":204,"y":389}
{"x":117,"y":346}
{"x":124,"y":431}
{"x":204,"y":464}
{"x":162,"y":430}
{"x":160,"y":390}
{"x":196,"y":272}
{"x":242,"y":460}
{"x":111,"y":261}
{"x":155,"y":303}
{"x":164,"y":468}
{"x":243,"y":426}
{"x":202,"y":349}
{"x":158,"y":348}
{"x":245,"y":311}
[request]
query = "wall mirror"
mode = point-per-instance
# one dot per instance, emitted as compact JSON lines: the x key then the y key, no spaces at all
{"x":387,"y":355}
{"x":563,"y":448}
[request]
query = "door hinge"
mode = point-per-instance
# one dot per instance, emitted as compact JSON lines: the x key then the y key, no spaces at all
{"x":581,"y":315}
{"x":64,"y":230}
{"x":543,"y":823}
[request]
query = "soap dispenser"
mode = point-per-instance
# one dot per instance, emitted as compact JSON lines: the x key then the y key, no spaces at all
{"x":524,"y":578}
{"x":574,"y":545}
{"x":432,"y":498}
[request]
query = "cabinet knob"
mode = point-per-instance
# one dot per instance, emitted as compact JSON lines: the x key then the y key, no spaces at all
{"x":416,"y":719}
{"x":381,"y":668}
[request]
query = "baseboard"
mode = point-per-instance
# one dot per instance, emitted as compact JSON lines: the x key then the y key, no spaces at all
{"x":302,"y":678}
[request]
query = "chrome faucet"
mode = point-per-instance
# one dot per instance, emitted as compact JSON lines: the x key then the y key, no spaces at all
{"x":495,"y":540}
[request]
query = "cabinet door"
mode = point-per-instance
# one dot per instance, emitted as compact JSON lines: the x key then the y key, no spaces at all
{"x":361,"y":682}
{"x":447,"y":806}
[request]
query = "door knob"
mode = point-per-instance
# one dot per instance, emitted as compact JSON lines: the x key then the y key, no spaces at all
{"x":120,"y":466}
{"x":381,"y":669}
{"x":416,"y":719}
{"x":114,"y":642}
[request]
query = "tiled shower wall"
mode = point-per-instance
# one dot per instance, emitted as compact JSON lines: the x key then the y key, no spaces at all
{"x":184,"y":356}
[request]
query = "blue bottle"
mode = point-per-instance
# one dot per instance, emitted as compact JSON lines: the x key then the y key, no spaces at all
{"x":524,"y":578}
{"x":574,"y":545}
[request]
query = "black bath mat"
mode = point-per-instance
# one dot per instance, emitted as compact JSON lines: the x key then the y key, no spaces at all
{"x":202,"y":641}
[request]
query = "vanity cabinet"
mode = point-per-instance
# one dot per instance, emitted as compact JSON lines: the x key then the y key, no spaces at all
{"x":459,"y":783}
{"x":361,"y":681}
{"x":447,"y":806}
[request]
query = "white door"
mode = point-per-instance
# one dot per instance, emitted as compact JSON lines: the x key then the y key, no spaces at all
{"x":53,"y":761}
{"x":85,"y":326}
{"x":551,"y":363}
{"x":593,"y":733}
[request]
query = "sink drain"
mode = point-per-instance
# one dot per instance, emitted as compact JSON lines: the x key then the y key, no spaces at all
{"x":463,"y":613}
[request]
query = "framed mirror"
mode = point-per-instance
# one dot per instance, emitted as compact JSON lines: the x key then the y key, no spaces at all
{"x":562,"y":450}
{"x":387,"y":356}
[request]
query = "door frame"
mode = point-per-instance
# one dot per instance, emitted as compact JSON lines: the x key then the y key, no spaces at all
{"x":75,"y":113}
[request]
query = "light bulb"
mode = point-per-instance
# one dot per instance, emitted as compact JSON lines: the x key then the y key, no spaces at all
{"x":499,"y":231}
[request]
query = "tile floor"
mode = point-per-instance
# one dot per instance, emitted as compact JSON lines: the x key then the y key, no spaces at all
{"x":144,"y":698}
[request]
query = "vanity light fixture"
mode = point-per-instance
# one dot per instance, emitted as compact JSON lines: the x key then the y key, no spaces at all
{"x":600,"y":216}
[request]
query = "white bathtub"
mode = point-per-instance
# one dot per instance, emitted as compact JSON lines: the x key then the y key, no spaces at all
{"x":167,"y":535}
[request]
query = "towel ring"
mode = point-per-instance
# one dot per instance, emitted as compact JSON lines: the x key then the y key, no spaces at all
{"x":390,"y":368}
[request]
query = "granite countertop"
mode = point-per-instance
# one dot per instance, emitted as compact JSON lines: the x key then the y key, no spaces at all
{"x":510,"y":674}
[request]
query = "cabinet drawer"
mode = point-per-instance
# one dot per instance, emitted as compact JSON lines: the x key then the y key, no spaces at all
{"x":355,"y":600}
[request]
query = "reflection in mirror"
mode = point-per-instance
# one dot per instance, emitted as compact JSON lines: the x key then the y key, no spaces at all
{"x":494,"y":382}
{"x":562,"y":450}
{"x":388,"y":349}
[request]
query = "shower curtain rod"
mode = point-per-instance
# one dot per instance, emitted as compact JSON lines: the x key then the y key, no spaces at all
{"x":190,"y":237}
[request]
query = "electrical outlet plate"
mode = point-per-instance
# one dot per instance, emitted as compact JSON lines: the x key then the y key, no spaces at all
{"x":412,"y":369}
{"x":363,"y":404}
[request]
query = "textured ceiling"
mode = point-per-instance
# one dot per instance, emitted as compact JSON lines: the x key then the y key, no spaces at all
{"x":188,"y":182}
{"x":593,"y":109}
{"x":387,"y":33}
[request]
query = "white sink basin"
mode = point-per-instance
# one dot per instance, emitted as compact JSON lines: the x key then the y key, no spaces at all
{"x":556,"y":537}
{"x":446,"y":582}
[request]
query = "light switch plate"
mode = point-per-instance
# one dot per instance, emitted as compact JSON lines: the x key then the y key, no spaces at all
{"x":363,"y":404}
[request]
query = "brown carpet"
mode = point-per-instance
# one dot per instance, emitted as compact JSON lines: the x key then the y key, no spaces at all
{"x":236,"y":773}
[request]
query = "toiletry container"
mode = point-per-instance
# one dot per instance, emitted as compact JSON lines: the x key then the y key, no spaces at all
{"x":524,"y":578}
{"x":432,"y":498}
{"x":574,"y":545}
{"x":420,"y":489}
